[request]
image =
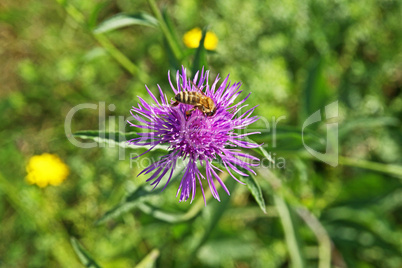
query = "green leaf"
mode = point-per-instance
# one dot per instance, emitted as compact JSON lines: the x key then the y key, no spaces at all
{"x":113,"y":138}
{"x":165,"y":30}
{"x":265,"y":154}
{"x":123,"y":20}
{"x":315,"y":92}
{"x":291,"y":237}
{"x":255,"y":190}
{"x":252,"y":184}
{"x":128,"y":203}
{"x":287,"y":138}
{"x":171,"y":28}
{"x":136,"y":199}
{"x":173,"y":61}
{"x":200,"y":57}
{"x":162,"y":215}
{"x":149,"y":260}
{"x":366,"y":123}
{"x":93,"y":17}
{"x":341,"y":220}
{"x":219,"y":250}
{"x":211,"y":216}
{"x":370,"y":165}
{"x":321,"y":234}
{"x":83,"y":255}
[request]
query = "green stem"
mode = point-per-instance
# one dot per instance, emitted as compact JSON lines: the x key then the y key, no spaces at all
{"x":324,"y":242}
{"x":352,"y":162}
{"x":120,"y":57}
{"x":176,"y":50}
{"x":173,"y":218}
{"x":149,"y":260}
{"x":176,"y":218}
{"x":125,"y":62}
{"x":45,"y":224}
{"x":385,"y":168}
{"x":289,"y":231}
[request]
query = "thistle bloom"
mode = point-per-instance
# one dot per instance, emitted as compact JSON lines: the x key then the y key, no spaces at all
{"x":46,"y":169}
{"x":203,"y":139}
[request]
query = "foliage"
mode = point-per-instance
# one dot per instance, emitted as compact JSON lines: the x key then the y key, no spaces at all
{"x":294,"y":56}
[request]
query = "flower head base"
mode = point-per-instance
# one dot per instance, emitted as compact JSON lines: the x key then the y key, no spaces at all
{"x":201,"y":138}
{"x":192,"y":39}
{"x":46,"y":169}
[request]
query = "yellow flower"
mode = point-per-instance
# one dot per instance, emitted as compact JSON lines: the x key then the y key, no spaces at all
{"x":46,"y":169}
{"x":192,"y":39}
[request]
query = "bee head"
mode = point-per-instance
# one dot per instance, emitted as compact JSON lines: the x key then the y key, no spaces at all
{"x":211,"y":113}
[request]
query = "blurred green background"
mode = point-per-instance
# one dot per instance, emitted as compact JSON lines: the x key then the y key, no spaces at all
{"x":294,"y":56}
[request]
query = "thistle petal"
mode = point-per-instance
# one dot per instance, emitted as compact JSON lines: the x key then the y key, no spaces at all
{"x":200,"y":138}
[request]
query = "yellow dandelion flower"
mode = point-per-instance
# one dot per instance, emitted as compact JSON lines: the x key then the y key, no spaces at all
{"x":192,"y":39}
{"x":46,"y":169}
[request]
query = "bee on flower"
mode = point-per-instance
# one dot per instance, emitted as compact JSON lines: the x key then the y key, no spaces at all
{"x":202,"y":133}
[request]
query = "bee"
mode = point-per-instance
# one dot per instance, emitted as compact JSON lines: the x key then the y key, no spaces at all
{"x":197,"y":98}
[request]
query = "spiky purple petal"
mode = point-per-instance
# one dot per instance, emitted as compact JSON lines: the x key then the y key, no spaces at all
{"x":199,"y":138}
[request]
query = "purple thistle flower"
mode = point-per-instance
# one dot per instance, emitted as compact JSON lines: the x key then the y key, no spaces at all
{"x":200,"y":138}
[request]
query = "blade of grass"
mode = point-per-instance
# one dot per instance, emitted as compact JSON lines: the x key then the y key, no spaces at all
{"x":358,"y":163}
{"x":324,"y":242}
{"x":253,"y":185}
{"x":83,"y":255}
{"x":165,"y":30}
{"x":212,"y":214}
{"x":255,"y":190}
{"x":136,"y":199}
{"x":149,"y":260}
{"x":125,"y":62}
{"x":289,"y":231}
{"x":177,"y":218}
{"x":113,"y":139}
{"x":200,"y":57}
{"x":131,"y":201}
{"x":30,"y":210}
{"x":316,"y":90}
{"x":174,"y":62}
{"x":121,"y":58}
{"x":171,"y":28}
{"x":123,"y":20}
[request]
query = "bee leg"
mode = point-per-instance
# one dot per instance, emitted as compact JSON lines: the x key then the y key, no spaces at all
{"x":201,"y":110}
{"x":189,"y":112}
{"x":174,"y":104}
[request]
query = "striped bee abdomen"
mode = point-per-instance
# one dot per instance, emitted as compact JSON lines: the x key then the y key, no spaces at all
{"x":188,"y":97}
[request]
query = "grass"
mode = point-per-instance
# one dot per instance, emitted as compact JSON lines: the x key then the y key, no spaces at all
{"x":295,"y":57}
